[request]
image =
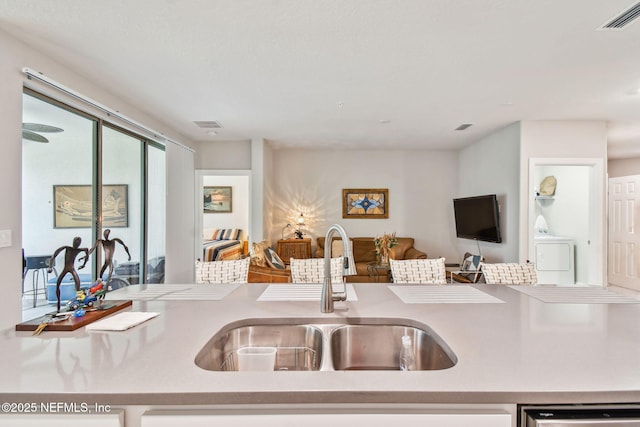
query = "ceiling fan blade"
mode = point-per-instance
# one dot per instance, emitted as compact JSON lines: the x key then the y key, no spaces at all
{"x":38,"y":127}
{"x":32,"y":136}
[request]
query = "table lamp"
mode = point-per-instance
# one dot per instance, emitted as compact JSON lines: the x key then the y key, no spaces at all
{"x":300,"y":222}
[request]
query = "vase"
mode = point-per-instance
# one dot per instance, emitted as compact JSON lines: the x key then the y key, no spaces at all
{"x":384,"y":258}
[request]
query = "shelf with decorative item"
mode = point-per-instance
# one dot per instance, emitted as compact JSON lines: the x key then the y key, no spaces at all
{"x":544,"y":201}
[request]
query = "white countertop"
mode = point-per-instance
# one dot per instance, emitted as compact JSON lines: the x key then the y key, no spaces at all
{"x":519,"y":351}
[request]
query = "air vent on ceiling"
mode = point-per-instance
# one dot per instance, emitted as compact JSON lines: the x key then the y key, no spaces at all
{"x":211,"y":124}
{"x":464,"y":126}
{"x":623,"y":19}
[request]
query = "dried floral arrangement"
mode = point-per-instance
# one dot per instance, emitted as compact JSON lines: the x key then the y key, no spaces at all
{"x":384,"y":244}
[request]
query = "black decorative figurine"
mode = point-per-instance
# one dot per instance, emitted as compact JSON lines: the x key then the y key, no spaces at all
{"x":71,"y":252}
{"x":109,"y":248}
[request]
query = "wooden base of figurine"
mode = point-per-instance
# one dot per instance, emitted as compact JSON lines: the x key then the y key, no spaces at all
{"x":104,"y":308}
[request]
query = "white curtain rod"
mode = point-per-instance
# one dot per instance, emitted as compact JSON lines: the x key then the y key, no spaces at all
{"x":32,"y":74}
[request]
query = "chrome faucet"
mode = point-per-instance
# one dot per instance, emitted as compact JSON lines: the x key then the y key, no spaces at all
{"x":349,"y":269}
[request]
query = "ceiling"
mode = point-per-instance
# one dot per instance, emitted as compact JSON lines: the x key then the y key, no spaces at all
{"x":376,"y":74}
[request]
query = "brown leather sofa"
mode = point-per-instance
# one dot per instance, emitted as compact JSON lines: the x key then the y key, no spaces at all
{"x":266,"y":274}
{"x":364,"y":252}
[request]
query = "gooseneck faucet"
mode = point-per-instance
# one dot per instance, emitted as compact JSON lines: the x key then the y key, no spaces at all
{"x":349,"y":269}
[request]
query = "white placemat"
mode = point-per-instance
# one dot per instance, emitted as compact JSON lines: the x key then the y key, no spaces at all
{"x":302,"y":292}
{"x":438,"y":294}
{"x":121,"y":321}
{"x":574,"y":294}
{"x":199,"y":292}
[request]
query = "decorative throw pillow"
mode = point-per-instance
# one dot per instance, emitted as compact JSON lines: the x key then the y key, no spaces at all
{"x":207,"y":233}
{"x":312,"y":270}
{"x":235,"y":271}
{"x":273,"y":259}
{"x":226,"y":234}
{"x":419,"y":271}
{"x":510,"y":273}
{"x":257,"y":253}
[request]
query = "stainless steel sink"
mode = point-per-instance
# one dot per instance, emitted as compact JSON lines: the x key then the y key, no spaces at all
{"x":377,"y":347}
{"x":299,"y":346}
{"x":323,"y":344}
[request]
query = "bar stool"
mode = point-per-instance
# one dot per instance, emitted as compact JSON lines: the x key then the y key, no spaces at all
{"x":39,"y":266}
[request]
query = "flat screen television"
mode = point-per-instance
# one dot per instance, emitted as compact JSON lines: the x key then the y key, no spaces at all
{"x":478,"y":218}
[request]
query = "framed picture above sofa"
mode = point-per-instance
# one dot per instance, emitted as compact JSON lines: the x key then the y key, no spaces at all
{"x":365,"y":203}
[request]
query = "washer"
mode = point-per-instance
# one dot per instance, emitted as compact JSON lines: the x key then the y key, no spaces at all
{"x":555,"y":260}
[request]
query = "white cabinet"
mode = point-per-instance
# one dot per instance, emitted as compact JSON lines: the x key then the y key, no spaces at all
{"x":373,"y":418}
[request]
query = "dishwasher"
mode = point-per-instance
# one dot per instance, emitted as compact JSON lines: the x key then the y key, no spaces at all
{"x":580,"y":416}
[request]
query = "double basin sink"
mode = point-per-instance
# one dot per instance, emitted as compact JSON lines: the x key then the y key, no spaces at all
{"x":327,"y":344}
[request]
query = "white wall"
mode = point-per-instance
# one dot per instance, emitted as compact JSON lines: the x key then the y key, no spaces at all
{"x":239,"y":215}
{"x":421,"y":187}
{"x":181,"y":227}
{"x":270,"y":186}
{"x":261,"y":181}
{"x":491,"y":166}
{"x":15,"y":56}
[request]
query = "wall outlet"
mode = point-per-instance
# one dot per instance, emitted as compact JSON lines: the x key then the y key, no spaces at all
{"x":5,"y":238}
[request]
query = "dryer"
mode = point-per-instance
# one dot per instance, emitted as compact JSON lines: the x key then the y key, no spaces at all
{"x":555,"y":260}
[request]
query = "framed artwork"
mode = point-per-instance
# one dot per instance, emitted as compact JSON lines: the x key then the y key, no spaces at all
{"x":217,"y":199}
{"x":73,"y":206}
{"x":471,"y":262}
{"x":365,"y":203}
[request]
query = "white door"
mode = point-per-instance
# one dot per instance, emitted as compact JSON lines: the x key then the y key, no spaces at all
{"x":624,"y":235}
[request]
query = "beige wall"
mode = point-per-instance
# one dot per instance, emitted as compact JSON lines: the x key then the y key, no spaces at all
{"x":421,"y":186}
{"x":624,"y":167}
{"x":224,"y":155}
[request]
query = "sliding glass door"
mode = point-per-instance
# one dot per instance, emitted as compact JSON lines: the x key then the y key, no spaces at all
{"x":57,"y":197}
{"x":123,"y":202}
{"x":82,"y":176}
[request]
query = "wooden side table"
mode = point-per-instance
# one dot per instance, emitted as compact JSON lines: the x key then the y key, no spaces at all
{"x":293,"y":248}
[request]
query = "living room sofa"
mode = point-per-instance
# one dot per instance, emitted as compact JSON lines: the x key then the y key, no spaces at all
{"x":364,"y":252}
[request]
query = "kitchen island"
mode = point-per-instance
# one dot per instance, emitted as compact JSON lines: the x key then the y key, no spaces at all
{"x":515,"y":350}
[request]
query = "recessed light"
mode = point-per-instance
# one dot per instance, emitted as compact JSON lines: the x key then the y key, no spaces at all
{"x":384,"y":121}
{"x":212,"y":132}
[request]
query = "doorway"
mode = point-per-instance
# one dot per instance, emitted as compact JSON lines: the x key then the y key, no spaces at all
{"x":235,"y":215}
{"x":574,"y":214}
